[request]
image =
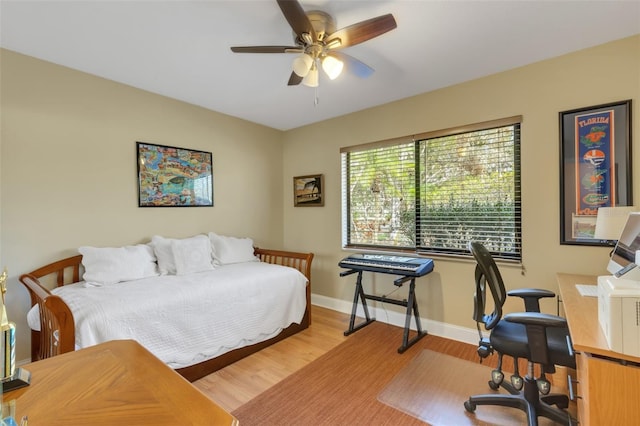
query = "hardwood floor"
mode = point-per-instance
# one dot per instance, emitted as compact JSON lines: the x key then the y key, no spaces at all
{"x":238,"y":383}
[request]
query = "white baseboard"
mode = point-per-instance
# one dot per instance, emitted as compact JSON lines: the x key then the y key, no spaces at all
{"x":436,"y":328}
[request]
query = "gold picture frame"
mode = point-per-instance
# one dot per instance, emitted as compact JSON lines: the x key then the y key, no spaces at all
{"x":308,"y":191}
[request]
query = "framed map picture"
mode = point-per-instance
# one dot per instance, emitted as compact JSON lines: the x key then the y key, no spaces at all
{"x":173,"y":177}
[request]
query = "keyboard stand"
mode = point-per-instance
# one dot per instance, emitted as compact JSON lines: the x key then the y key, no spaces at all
{"x":411,"y":304}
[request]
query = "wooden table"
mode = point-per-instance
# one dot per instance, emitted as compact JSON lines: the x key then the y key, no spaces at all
{"x":608,"y":382}
{"x":113,"y":383}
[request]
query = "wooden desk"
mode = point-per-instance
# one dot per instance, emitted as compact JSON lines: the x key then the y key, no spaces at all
{"x":114,"y":383}
{"x":608,"y":387}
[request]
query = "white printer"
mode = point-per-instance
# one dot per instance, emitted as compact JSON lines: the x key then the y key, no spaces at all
{"x":619,"y":313}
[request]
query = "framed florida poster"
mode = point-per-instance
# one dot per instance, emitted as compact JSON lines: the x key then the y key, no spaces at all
{"x":595,"y":167}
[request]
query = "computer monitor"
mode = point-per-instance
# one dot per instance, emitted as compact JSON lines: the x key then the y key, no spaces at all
{"x":623,"y":256}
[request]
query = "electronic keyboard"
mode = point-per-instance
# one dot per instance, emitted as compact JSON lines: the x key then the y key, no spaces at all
{"x":386,"y":264}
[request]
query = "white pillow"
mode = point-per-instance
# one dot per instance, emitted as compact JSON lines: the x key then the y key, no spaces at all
{"x":231,"y":249}
{"x":192,"y":255}
{"x":110,"y":265}
{"x":164,"y":254}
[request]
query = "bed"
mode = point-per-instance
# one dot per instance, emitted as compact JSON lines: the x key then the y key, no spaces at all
{"x":60,"y":331}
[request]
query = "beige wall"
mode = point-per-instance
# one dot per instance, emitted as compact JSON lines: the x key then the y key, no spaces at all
{"x":537,"y":92}
{"x":68,"y":171}
{"x":68,"y":164}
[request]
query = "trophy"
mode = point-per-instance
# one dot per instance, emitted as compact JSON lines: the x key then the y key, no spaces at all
{"x":12,"y":377}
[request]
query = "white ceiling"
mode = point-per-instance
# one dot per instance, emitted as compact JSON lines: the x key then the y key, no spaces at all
{"x":180,"y":48}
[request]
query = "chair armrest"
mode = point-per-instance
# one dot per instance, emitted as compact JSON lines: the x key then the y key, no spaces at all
{"x":531,"y":297}
{"x":536,"y":318}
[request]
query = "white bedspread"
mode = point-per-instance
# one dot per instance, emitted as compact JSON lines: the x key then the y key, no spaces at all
{"x":187,"y":319}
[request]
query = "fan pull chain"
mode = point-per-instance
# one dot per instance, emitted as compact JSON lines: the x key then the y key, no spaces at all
{"x":316,"y":98}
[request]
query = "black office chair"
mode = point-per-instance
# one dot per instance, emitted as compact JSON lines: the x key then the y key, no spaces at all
{"x":539,"y":338}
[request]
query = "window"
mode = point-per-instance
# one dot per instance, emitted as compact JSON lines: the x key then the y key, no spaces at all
{"x":435,"y":192}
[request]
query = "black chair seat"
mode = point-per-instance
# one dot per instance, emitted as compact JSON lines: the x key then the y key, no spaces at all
{"x":511,"y":338}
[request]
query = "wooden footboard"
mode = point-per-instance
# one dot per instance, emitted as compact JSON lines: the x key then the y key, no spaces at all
{"x":57,"y":333}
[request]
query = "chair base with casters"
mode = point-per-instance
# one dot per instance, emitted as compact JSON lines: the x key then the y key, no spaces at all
{"x":513,"y":335}
{"x":529,"y":400}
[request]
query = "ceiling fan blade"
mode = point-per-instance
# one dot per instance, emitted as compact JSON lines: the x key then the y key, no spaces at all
{"x":267,"y":49}
{"x":363,"y":31}
{"x":352,"y":64}
{"x":294,"y":79}
{"x":297,"y":19}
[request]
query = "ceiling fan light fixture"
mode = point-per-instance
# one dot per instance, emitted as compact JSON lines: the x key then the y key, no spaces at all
{"x":302,"y":64}
{"x":332,"y":66}
{"x":311,"y":79}
{"x":315,"y":37}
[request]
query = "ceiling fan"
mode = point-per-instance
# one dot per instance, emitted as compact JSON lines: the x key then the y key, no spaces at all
{"x":317,"y":43}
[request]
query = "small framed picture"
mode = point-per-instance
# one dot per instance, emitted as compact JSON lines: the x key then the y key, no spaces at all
{"x":308,"y":191}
